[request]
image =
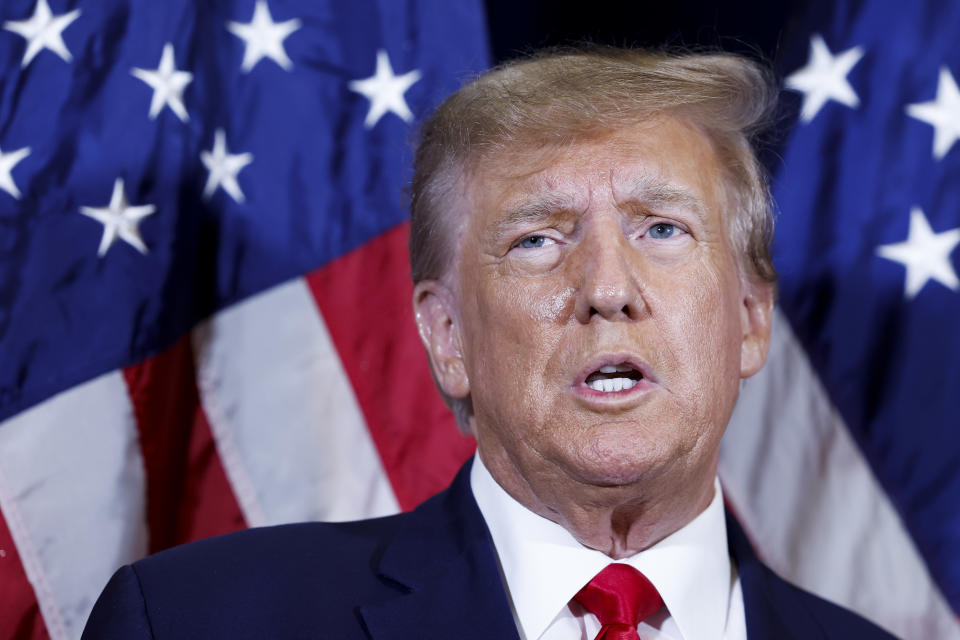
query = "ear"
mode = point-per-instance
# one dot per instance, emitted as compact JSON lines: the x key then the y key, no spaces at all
{"x":755,"y":318}
{"x":435,"y":309}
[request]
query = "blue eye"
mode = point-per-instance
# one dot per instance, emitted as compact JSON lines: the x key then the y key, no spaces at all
{"x":532,"y":242}
{"x":662,"y":230}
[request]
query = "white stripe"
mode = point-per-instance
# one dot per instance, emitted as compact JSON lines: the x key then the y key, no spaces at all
{"x":73,"y":493}
{"x":813,"y":506}
{"x":291,"y":436}
{"x":30,"y":559}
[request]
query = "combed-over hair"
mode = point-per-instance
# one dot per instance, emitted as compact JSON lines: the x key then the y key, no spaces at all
{"x":560,"y":96}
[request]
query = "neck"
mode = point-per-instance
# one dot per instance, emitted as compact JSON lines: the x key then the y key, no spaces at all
{"x":619,"y":520}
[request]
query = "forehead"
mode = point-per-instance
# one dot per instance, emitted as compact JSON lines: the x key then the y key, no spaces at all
{"x":665,"y":159}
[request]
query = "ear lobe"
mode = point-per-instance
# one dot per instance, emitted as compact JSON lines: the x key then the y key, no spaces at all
{"x":755,"y":318}
{"x":434,"y":307}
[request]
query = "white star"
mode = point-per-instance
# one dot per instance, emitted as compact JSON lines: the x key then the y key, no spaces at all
{"x":385,"y":91}
{"x":263,"y":37}
{"x":119,"y":219}
{"x":943,"y":114}
{"x":223,"y":167}
{"x":8,"y":161}
{"x":43,"y":30}
{"x":824,"y":78}
{"x":925,"y":254}
{"x":167,"y":83}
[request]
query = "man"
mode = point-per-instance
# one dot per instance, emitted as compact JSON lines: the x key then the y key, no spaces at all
{"x":590,"y":251}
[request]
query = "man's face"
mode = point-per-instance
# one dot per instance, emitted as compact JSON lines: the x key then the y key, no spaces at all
{"x":601,"y":323}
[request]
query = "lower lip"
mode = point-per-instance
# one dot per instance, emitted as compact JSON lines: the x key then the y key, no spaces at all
{"x":642,"y":387}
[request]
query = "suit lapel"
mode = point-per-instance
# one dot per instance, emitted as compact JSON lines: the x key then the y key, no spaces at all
{"x":443,"y":558}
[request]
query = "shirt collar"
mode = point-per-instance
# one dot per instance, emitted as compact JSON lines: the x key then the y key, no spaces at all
{"x":544,"y":566}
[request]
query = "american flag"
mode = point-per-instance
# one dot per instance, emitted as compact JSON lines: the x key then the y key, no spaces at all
{"x":204,"y":302}
{"x":857,"y":413}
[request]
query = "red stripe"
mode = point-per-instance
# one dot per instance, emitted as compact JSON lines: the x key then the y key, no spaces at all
{"x":188,"y":495}
{"x":19,"y":612}
{"x":364,"y":297}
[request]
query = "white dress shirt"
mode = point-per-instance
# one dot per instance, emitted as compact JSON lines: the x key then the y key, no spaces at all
{"x":543,"y":567}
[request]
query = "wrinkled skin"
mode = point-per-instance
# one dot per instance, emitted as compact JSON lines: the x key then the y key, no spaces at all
{"x":607,"y":250}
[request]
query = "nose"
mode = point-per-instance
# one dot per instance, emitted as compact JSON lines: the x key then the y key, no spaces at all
{"x":609,"y":286}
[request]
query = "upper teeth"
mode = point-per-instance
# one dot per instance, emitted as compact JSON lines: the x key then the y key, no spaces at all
{"x":615,"y":368}
{"x":611,"y":384}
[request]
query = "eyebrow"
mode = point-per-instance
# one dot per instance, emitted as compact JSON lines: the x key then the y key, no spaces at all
{"x":648,"y":190}
{"x":654,"y":192}
{"x":540,"y":208}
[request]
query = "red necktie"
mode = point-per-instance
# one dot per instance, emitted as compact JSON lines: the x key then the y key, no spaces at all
{"x":621,"y":597}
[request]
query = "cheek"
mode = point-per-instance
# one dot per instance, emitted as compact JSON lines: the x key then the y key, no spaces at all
{"x":518,"y":329}
{"x":704,"y":326}
{"x":525,"y":311}
{"x":553,"y":305}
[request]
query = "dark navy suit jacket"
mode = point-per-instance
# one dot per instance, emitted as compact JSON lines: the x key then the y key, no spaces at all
{"x":428,"y":574}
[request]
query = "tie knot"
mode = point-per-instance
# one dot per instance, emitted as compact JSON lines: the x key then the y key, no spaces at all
{"x":620,"y":595}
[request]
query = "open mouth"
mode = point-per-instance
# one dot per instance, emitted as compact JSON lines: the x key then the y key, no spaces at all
{"x":611,"y":378}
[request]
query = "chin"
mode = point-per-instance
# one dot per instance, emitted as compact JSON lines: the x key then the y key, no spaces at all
{"x":613,"y":461}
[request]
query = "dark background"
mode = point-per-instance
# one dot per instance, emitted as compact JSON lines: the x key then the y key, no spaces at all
{"x":773,"y":32}
{"x":748,"y":27}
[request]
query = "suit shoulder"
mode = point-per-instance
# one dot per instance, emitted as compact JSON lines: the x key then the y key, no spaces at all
{"x":776,"y":608}
{"x":840,"y":622}
{"x":825,"y":619}
{"x":298,"y":577}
